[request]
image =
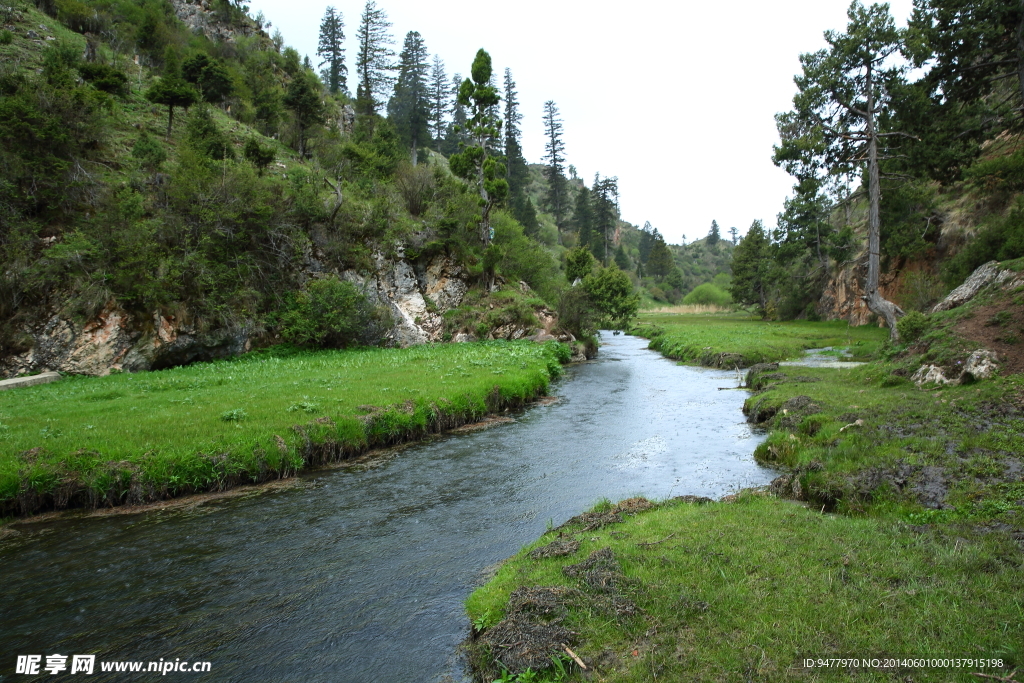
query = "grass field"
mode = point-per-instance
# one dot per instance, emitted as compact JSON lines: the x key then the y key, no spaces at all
{"x":146,"y":436}
{"x":741,"y":340}
{"x":747,"y":590}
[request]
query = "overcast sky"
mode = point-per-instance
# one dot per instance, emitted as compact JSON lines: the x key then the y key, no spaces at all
{"x":676,"y":99}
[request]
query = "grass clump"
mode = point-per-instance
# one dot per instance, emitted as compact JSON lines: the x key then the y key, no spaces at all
{"x":133,"y":438}
{"x":742,"y":341}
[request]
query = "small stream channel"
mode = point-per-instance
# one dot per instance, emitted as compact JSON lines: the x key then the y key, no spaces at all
{"x":360,"y":575}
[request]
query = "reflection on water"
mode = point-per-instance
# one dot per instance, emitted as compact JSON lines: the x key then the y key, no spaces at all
{"x":361,"y":575}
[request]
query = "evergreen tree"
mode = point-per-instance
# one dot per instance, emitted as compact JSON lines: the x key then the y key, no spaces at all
{"x":751,"y":263}
{"x":455,"y":136}
{"x":659,"y":263}
{"x":605,"y":199}
{"x":517,"y":171}
{"x":409,"y":108}
{"x":844,"y":94}
{"x":579,"y":263}
{"x":735,"y":235}
{"x":303,"y":99}
{"x":583,"y":219}
{"x":438,"y":101}
{"x":374,"y":62}
{"x":172,"y":90}
{"x":713,"y":235}
{"x":621,"y":260}
{"x":209,"y":76}
{"x":557,"y":198}
{"x":476,"y":162}
{"x":331,"y":49}
{"x":648,"y":235}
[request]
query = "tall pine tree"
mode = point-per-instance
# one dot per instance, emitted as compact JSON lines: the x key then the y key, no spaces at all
{"x":331,"y":48}
{"x":374,"y":63}
{"x":409,"y":108}
{"x":605,"y":197}
{"x":557,"y":198}
{"x":517,"y":172}
{"x":455,"y":135}
{"x":438,"y":99}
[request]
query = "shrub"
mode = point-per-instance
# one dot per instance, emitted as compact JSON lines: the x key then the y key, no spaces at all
{"x":204,"y":135}
{"x":149,"y":152}
{"x":912,"y":326}
{"x":611,"y":294}
{"x":579,"y":262}
{"x":259,"y":155}
{"x":707,"y":294}
{"x":332,"y":313}
{"x":104,"y":77}
{"x":6,"y":37}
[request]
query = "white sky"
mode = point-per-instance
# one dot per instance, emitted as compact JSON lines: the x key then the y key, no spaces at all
{"x":676,"y":99}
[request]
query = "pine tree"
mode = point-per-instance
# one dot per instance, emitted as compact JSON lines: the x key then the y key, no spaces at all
{"x":517,"y":171}
{"x":303,"y":99}
{"x":331,"y":49}
{"x":172,"y":90}
{"x":476,"y":162}
{"x":621,"y":260}
{"x":659,"y":263}
{"x":374,"y":63}
{"x":713,"y":234}
{"x":438,"y":101}
{"x":735,"y":235}
{"x":605,"y":198}
{"x":648,"y":234}
{"x":751,"y":261}
{"x":455,"y":135}
{"x":583,"y":219}
{"x":555,"y":172}
{"x":409,"y":109}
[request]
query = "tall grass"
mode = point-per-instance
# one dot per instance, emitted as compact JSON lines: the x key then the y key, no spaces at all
{"x":130,"y":438}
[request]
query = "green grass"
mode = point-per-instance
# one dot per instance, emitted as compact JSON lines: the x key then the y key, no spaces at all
{"x":740,"y":340}
{"x":746,"y":590}
{"x":145,"y":436}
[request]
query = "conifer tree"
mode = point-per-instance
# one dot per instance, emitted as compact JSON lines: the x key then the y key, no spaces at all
{"x":517,"y":171}
{"x":659,"y":263}
{"x":374,"y":62}
{"x":476,"y":162}
{"x":331,"y":48}
{"x":455,"y":136}
{"x":713,"y":234}
{"x":648,"y":234}
{"x":555,"y":172}
{"x":735,"y":235}
{"x":438,"y":97}
{"x":303,"y":98}
{"x":409,"y":108}
{"x":751,"y":262}
{"x":583,"y":219}
{"x":172,"y":90}
{"x":621,"y":260}
{"x":605,"y":198}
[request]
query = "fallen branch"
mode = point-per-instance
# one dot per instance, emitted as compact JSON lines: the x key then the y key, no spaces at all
{"x":1007,"y":679}
{"x":574,"y":657}
{"x":657,"y":542}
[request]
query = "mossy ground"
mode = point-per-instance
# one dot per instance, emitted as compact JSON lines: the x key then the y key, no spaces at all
{"x":904,"y":538}
{"x":131,"y":438}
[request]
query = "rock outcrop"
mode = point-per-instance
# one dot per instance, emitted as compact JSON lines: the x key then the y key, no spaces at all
{"x":200,"y":16}
{"x":842,"y":298}
{"x":985,"y":275}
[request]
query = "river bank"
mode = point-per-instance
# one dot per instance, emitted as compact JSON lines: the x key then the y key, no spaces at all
{"x":132,"y":439}
{"x":893,"y":531}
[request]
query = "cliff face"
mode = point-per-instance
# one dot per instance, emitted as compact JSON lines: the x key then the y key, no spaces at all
{"x":842,"y":300}
{"x":118,"y":340}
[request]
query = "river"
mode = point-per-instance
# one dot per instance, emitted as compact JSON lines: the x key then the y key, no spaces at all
{"x":360,"y":574}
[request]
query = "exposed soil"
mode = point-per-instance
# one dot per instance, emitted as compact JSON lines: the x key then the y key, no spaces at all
{"x":560,"y":547}
{"x":1000,"y":328}
{"x":530,"y":633}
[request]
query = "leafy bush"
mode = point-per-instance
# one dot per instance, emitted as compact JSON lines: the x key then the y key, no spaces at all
{"x":912,"y":326}
{"x":332,"y":313}
{"x":576,"y":314}
{"x":149,"y":152}
{"x":204,"y":135}
{"x":1001,"y":240}
{"x":257,"y":154}
{"x":6,"y":37}
{"x":104,"y":77}
{"x":1005,"y":172}
{"x":579,"y":262}
{"x":707,"y":294}
{"x":518,"y":257}
{"x":611,"y":294}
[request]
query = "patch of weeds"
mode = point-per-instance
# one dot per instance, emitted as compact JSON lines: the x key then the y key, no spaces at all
{"x":1000,"y":319}
{"x":306,"y":406}
{"x":236,"y":415}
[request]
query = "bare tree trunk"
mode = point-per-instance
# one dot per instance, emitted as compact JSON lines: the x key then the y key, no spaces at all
{"x":878,"y":305}
{"x":1020,"y":55}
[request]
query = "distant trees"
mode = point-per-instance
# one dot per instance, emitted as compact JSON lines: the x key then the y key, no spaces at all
{"x":307,"y":108}
{"x":209,"y":76}
{"x":374,"y":63}
{"x":409,"y":107}
{"x":517,"y":171}
{"x":331,"y":48}
{"x":172,"y":90}
{"x":554,"y":147}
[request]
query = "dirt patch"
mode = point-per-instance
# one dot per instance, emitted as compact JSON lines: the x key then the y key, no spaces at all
{"x":486,"y":423}
{"x":1000,"y":328}
{"x":632,"y":506}
{"x":557,"y":548}
{"x":693,"y":500}
{"x":530,"y":633}
{"x":599,"y":572}
{"x":589,"y":521}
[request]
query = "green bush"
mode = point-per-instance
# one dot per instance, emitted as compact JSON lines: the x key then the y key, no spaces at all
{"x":707,"y":294}
{"x":332,"y":313}
{"x":912,"y":326}
{"x":611,"y":294}
{"x":149,"y":152}
{"x":6,"y":37}
{"x":104,"y":77}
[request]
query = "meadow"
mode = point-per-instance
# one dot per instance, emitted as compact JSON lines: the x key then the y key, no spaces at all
{"x":742,"y":340}
{"x":133,"y":438}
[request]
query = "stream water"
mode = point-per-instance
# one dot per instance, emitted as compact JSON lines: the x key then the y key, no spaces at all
{"x":360,"y":575}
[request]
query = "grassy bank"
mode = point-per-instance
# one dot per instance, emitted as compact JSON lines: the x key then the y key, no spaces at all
{"x":133,"y":438}
{"x":741,"y":341}
{"x":746,"y":591}
{"x":894,"y":528}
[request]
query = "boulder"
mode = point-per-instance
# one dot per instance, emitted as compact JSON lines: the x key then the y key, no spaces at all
{"x":981,"y":365}
{"x":931,"y":374}
{"x":982,"y":277}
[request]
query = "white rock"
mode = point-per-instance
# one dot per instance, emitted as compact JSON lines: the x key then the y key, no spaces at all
{"x":981,"y":365}
{"x":983,"y":276}
{"x":931,"y":374}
